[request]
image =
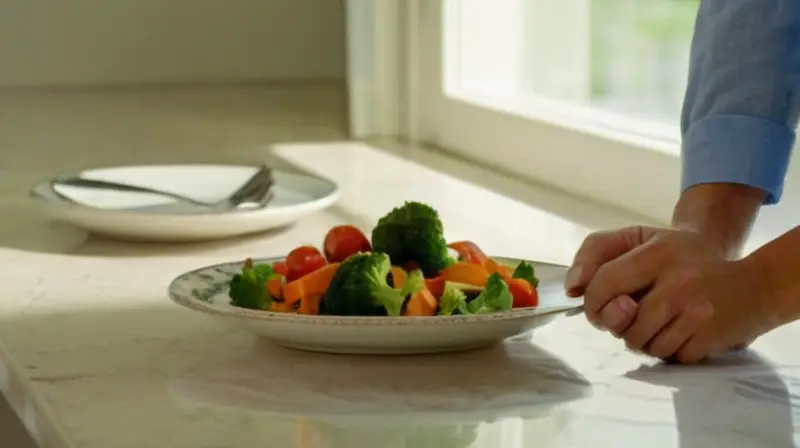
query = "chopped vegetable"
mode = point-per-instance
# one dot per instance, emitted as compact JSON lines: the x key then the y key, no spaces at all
{"x":495,"y":297}
{"x":422,"y":303}
{"x":397,"y":277}
{"x":343,"y":241}
{"x":310,"y":304}
{"x":280,"y":268}
{"x":302,"y":261}
{"x":413,"y":233}
{"x":248,"y":288}
{"x":525,"y":271}
{"x":282,"y":307}
{"x":436,"y":285}
{"x":311,"y":285}
{"x":493,"y":266}
{"x":467,"y":273}
{"x":524,"y":293}
{"x":360,"y":288}
{"x":408,"y":269}
{"x":275,"y":287}
{"x":469,"y":252}
{"x":453,"y":301}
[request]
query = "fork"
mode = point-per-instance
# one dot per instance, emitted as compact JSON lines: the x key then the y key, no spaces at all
{"x":256,"y":190}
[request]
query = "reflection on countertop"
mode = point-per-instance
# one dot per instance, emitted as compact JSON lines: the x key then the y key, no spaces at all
{"x":93,"y":354}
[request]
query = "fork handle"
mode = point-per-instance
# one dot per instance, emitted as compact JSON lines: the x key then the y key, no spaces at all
{"x":106,"y":185}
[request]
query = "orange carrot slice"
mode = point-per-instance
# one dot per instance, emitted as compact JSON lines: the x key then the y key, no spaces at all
{"x":313,"y":284}
{"x":275,"y":287}
{"x":493,"y":266}
{"x":399,"y":276}
{"x":436,"y":285}
{"x":467,"y":273}
{"x":469,"y":252}
{"x":422,"y":303}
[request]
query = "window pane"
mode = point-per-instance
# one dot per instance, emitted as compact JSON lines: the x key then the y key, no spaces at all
{"x":624,"y":56}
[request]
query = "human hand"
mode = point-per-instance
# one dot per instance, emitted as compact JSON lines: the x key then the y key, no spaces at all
{"x":693,"y":301}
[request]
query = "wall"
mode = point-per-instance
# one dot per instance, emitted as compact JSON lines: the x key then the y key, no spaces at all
{"x":46,"y":42}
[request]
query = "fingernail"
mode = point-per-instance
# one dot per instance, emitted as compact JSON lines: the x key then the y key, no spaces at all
{"x":627,"y":304}
{"x":614,"y":316}
{"x":573,"y":279}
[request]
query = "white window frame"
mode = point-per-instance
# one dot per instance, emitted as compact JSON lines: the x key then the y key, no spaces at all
{"x":567,"y":147}
{"x":396,"y":91}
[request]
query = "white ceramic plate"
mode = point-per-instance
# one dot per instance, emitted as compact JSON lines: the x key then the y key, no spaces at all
{"x":206,"y":290}
{"x":137,"y":216}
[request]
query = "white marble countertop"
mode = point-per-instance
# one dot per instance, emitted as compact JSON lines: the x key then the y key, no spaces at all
{"x":95,"y":356}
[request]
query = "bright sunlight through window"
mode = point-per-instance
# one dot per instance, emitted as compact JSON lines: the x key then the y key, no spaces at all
{"x":622,"y":62}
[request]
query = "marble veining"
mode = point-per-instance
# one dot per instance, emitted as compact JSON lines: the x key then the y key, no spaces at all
{"x":94,"y":355}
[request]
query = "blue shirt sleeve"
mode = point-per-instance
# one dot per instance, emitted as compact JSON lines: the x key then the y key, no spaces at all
{"x":743,"y":96}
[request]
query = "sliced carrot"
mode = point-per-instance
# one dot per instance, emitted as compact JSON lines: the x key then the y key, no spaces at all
{"x":275,"y":287}
{"x":524,"y":294}
{"x":422,"y":303}
{"x":466,"y":272}
{"x":398,"y":276}
{"x":313,"y":284}
{"x":435,"y":285}
{"x":282,"y":307}
{"x":310,"y":304}
{"x":469,"y":252}
{"x":493,"y":266}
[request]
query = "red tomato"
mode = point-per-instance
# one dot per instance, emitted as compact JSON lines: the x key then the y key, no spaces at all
{"x":280,"y":268}
{"x":302,"y":261}
{"x":344,"y":241}
{"x":524,"y":294}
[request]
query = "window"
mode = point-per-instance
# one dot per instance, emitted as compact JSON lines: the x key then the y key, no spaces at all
{"x":573,"y":93}
{"x":626,"y":58}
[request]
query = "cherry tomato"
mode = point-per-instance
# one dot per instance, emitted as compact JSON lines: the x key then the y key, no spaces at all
{"x":280,"y":268}
{"x":524,"y":294}
{"x":344,"y":241}
{"x":302,"y":261}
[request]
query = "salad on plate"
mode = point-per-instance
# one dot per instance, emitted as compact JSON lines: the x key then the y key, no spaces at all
{"x":406,"y":268}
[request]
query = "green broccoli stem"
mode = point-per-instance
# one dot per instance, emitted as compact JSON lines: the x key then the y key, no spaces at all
{"x":392,"y":299}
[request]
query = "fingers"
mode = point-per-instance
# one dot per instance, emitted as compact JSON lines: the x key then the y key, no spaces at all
{"x":618,"y":315}
{"x":597,"y":249}
{"x":673,"y":337}
{"x":624,"y":275}
{"x":667,"y":343}
{"x":692,"y":352}
{"x":655,"y":312}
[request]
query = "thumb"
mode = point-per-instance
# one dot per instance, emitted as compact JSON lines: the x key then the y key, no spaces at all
{"x":597,"y":249}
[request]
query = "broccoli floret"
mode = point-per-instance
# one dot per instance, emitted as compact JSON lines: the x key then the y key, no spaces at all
{"x":453,"y":301}
{"x":360,"y":288}
{"x":413,"y":233}
{"x":495,"y":297}
{"x":525,"y":271}
{"x":248,"y":289}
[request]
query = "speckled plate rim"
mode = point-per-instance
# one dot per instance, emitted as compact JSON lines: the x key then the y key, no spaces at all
{"x":193,"y":303}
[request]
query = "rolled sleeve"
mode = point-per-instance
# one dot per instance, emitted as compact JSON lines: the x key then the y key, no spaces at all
{"x":743,"y":97}
{"x":740,"y":150}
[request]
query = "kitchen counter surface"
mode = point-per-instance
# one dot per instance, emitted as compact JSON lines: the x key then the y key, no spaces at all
{"x":94,"y":355}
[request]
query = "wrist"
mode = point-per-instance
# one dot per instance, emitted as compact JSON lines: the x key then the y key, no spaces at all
{"x":775,"y":301}
{"x":722,"y":213}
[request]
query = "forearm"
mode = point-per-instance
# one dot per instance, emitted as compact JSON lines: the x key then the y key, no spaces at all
{"x":722,"y":212}
{"x":739,"y":115}
{"x":774,"y":270}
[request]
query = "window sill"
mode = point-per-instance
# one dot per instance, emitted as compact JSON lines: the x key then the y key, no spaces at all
{"x":645,"y":134}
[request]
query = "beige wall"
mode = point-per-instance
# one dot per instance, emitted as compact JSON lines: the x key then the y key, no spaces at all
{"x":45,"y":42}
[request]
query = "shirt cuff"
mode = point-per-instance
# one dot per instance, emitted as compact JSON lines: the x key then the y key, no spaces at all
{"x":737,"y":149}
